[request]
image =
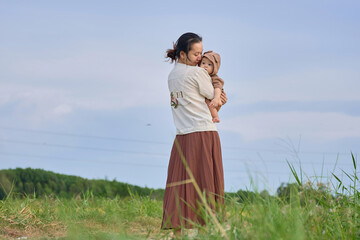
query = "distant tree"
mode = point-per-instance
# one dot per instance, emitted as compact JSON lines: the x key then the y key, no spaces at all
{"x":29,"y":188}
{"x":29,"y":181}
{"x":285,"y":190}
{"x":264,"y":194}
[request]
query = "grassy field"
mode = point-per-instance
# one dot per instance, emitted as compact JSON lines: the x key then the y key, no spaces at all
{"x":308,"y":211}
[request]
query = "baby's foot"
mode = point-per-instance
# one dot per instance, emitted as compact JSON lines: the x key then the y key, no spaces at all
{"x":216,"y":119}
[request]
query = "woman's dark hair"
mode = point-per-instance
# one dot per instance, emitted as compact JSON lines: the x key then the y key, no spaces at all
{"x":182,"y":44}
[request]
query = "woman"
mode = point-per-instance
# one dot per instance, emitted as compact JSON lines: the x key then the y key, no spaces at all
{"x":197,"y":137}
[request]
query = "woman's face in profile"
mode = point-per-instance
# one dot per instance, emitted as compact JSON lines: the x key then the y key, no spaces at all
{"x":193,"y":56}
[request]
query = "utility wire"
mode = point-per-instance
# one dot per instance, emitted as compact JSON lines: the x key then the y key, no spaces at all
{"x":141,"y":164}
{"x":287,"y":151}
{"x":105,"y":161}
{"x":125,"y":163}
{"x":81,"y":135}
{"x":44,"y":144}
{"x":77,"y":160}
{"x":163,"y":143}
{"x":143,"y":153}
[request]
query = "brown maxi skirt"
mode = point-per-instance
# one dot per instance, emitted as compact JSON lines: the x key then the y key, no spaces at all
{"x":202,"y":151}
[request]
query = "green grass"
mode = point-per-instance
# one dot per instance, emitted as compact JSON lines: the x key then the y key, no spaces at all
{"x":310,"y":210}
{"x":86,"y":217}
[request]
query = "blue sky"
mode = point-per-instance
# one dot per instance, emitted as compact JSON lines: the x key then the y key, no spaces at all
{"x":83,"y":86}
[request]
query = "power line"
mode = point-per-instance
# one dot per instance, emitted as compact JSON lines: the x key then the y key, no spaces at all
{"x":280,"y":161}
{"x":77,"y":160}
{"x":122,"y":163}
{"x":162,"y":143}
{"x":44,"y":144}
{"x":286,"y":151}
{"x":11,"y":154}
{"x":137,"y":152}
{"x":81,"y":135}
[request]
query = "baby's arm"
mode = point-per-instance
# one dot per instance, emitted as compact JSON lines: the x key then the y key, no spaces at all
{"x":218,"y":84}
{"x":216,"y":101}
{"x":213,"y":111}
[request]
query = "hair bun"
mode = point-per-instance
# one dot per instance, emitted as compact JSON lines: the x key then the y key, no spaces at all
{"x":171,"y":53}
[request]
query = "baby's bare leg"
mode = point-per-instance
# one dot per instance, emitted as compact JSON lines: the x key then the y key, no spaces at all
{"x":213,"y":111}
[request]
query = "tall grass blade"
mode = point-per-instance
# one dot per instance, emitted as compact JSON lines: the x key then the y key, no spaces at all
{"x":292,"y":168}
{"x":354,"y":162}
{"x":350,"y":177}
{"x":353,"y":159}
{"x":336,"y":178}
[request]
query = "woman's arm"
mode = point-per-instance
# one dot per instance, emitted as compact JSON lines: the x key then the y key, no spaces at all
{"x":204,"y":82}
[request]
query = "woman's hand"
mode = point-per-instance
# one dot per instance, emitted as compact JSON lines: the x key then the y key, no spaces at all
{"x":223,"y":97}
{"x":223,"y":100}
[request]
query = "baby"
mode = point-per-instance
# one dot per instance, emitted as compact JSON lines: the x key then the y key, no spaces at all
{"x":211,"y":63}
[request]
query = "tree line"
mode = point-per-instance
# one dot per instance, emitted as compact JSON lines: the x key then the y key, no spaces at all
{"x":40,"y":183}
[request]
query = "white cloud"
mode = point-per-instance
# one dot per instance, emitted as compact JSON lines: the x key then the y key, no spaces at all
{"x":96,"y":76}
{"x":310,"y":125}
{"x":37,"y":104}
{"x":310,"y":85}
{"x":45,"y":103}
{"x":62,"y":109}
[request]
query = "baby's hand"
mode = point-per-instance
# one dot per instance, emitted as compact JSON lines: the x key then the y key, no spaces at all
{"x":216,"y":102}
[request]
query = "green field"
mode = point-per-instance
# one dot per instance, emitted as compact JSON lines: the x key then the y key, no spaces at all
{"x":301,"y":210}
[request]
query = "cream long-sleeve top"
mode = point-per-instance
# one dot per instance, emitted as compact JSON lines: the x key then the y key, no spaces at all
{"x":189,"y":86}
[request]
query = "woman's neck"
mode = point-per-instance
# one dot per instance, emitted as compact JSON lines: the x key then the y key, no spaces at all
{"x":186,"y":62}
{"x":181,"y":61}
